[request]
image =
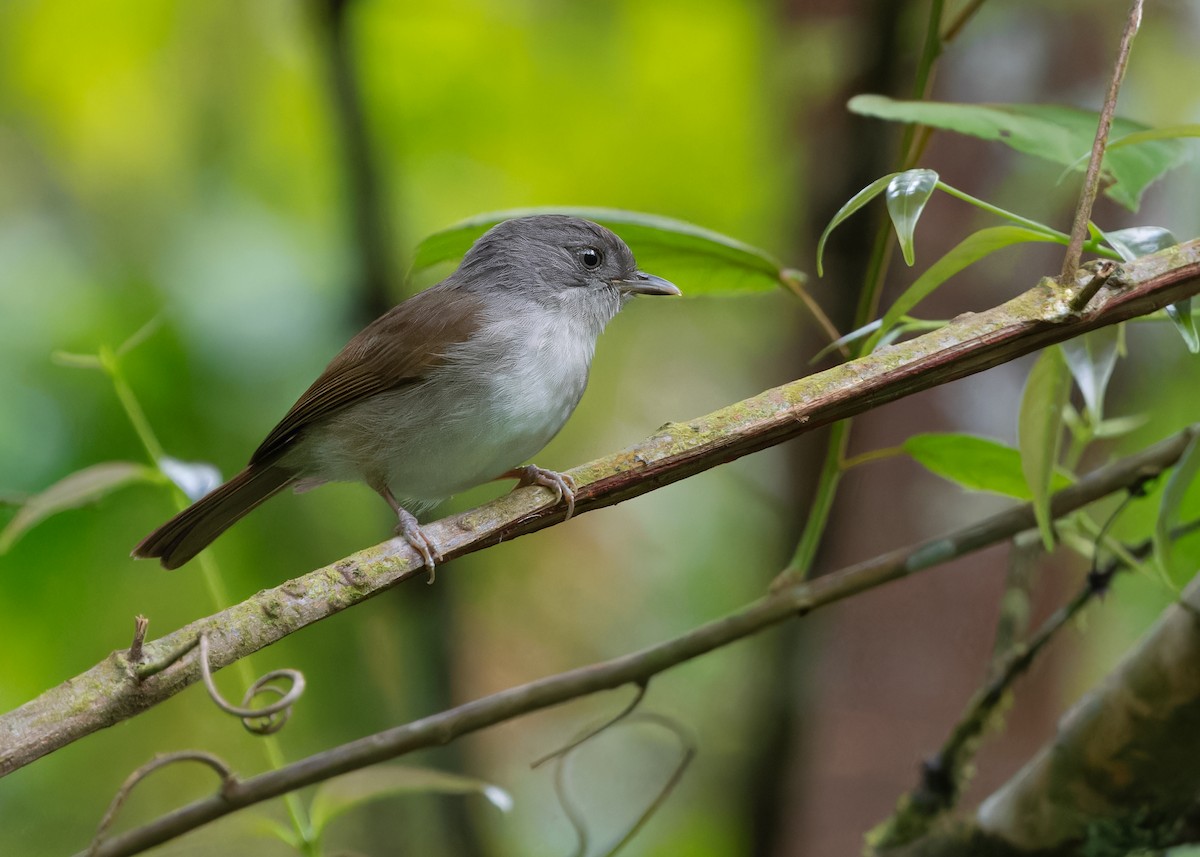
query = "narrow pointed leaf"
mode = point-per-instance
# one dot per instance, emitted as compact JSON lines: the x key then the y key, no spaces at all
{"x":975,"y":463}
{"x":82,"y":487}
{"x":852,"y":205}
{"x":853,"y":336}
{"x":698,"y":260}
{"x":1119,"y":426}
{"x":1039,"y":432}
{"x":970,"y":250}
{"x":1063,"y":135}
{"x":1181,"y":314}
{"x":1170,"y":132}
{"x":382,"y":781}
{"x":906,"y":196}
{"x":1091,"y":359}
{"x":271,"y":828}
{"x":1182,"y":478}
{"x":76,"y":361}
{"x":1140,"y":241}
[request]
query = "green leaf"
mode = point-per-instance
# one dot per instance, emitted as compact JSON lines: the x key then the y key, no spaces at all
{"x":906,"y":196}
{"x":1063,"y":135}
{"x":1181,"y":314}
{"x":1141,"y":241}
{"x":1119,"y":426}
{"x":855,"y":202}
{"x":696,"y":259}
{"x":1091,"y":359}
{"x":1183,"y":476}
{"x":1039,"y":432}
{"x":970,"y":250}
{"x":271,"y":828}
{"x":1138,"y":241}
{"x":76,"y":361}
{"x":1170,"y":132}
{"x":975,"y":463}
{"x":853,"y":336}
{"x":348,"y":791}
{"x":83,"y":486}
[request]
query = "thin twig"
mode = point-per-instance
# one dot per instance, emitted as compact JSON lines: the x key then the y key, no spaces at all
{"x":140,"y":624}
{"x":793,"y":281}
{"x":1105,"y":270}
{"x":639,"y":667}
{"x":228,"y":784}
{"x":964,"y":16}
{"x":1091,"y":179}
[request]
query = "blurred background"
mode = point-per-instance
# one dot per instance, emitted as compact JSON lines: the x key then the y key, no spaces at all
{"x":198,"y":162}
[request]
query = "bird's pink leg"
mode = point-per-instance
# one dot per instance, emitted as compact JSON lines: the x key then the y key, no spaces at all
{"x":408,"y":528}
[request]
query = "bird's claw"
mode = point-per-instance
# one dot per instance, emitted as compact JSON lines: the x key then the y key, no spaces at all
{"x":411,"y":532}
{"x":562,"y":484}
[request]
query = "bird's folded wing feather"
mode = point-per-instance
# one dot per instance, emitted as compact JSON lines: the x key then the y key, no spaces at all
{"x":397,"y":349}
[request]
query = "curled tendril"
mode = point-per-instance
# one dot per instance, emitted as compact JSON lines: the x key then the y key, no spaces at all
{"x":261,"y":721}
{"x":592,"y":733}
{"x":229,"y":782}
{"x":628,"y":716}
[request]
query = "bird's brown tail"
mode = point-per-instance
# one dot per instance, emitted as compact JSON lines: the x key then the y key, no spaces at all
{"x":189,"y":532}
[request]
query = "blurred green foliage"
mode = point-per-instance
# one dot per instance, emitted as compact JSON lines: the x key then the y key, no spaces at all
{"x":181,"y":159}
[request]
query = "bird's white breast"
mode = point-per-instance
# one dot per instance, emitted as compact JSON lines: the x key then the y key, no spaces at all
{"x":495,"y":402}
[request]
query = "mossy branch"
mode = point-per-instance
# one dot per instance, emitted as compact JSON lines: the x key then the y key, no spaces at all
{"x":111,"y":691}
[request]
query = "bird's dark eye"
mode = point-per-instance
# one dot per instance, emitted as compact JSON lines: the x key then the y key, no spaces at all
{"x":591,"y":258}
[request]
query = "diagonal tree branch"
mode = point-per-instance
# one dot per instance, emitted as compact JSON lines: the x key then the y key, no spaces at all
{"x":109,"y":692}
{"x":1118,"y":777}
{"x":638,"y":667}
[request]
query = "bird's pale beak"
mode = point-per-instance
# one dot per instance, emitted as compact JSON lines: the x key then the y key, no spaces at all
{"x":642,"y":283}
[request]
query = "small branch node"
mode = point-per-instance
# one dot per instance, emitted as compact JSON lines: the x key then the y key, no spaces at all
{"x":140,"y":624}
{"x":151,"y":668}
{"x":1103,"y":271}
{"x":937,"y":783}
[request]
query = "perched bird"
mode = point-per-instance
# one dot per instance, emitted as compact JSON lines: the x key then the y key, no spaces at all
{"x":454,"y":387}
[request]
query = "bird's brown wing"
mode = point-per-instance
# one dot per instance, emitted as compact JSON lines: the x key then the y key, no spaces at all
{"x":398,"y":348}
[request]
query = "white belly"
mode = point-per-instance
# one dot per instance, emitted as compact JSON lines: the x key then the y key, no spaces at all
{"x":485,"y":412}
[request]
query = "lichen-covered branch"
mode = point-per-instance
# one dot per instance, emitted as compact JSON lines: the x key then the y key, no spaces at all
{"x":109,"y":693}
{"x":639,"y":667}
{"x":1126,"y":753}
{"x":1120,"y":776}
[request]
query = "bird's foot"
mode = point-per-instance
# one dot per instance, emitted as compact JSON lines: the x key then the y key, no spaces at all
{"x":411,"y":532}
{"x":562,"y":484}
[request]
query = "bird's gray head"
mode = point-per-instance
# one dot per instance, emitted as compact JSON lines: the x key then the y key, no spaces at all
{"x":560,"y":262}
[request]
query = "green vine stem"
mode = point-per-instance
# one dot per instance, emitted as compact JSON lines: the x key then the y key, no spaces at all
{"x":209,"y":569}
